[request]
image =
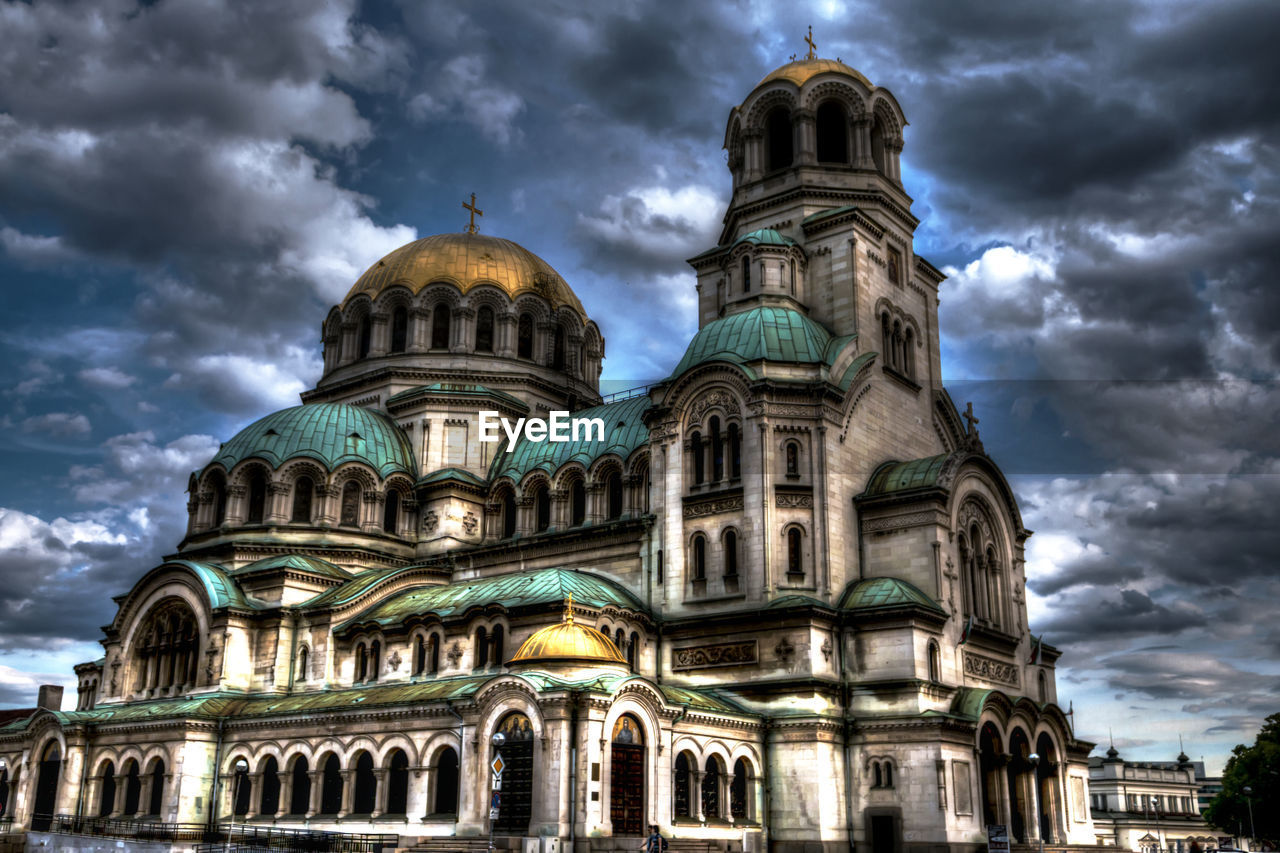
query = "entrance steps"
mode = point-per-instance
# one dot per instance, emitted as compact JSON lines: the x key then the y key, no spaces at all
{"x":1062,"y":848}
{"x":474,"y":844}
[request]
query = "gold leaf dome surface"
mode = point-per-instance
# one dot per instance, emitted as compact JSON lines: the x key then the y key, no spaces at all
{"x":568,"y":642}
{"x":467,"y":260}
{"x":802,"y":70}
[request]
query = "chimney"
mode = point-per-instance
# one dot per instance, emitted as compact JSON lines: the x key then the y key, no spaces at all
{"x":50,"y":697}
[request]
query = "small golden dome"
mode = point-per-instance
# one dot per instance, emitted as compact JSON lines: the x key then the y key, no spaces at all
{"x":802,"y":70}
{"x":568,"y":642}
{"x":466,"y":261}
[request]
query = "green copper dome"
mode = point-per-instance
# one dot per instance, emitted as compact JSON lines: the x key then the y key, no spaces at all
{"x":329,"y":433}
{"x":763,"y":332}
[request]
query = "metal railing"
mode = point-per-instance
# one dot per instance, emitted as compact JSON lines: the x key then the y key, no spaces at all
{"x":213,"y":839}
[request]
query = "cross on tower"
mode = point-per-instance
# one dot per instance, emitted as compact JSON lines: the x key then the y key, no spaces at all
{"x":968,"y":416}
{"x":568,"y":608}
{"x":809,"y":41}
{"x":471,"y":226}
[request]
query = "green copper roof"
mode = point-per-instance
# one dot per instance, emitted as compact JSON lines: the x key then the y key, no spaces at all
{"x":765,"y":237}
{"x":352,"y":589}
{"x":218,"y":585}
{"x":330,"y":433}
{"x":874,"y":593}
{"x":624,"y":432}
{"x":970,"y":701}
{"x":297,"y":563}
{"x":444,"y":475}
{"x":519,"y":589}
{"x":458,"y":389}
{"x":904,"y":476}
{"x":763,"y":332}
{"x":704,"y":699}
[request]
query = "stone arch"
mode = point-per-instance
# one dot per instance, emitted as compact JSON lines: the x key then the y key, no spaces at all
{"x":847,"y":94}
{"x":766,"y":102}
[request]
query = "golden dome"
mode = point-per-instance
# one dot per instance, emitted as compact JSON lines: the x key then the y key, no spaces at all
{"x":802,"y":70}
{"x":568,"y":642}
{"x":466,"y":261}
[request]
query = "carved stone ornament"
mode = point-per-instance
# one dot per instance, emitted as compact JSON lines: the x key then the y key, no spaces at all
{"x":826,"y":648}
{"x":721,"y":654}
{"x":990,"y":669}
{"x":722,"y":399}
{"x":430,"y":521}
{"x":394,"y":661}
{"x":786,"y":501}
{"x":713,"y":507}
{"x":469,"y":523}
{"x":784,"y":650}
{"x":454,"y":654}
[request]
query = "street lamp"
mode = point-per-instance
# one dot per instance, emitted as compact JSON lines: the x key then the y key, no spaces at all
{"x":1248,"y":798}
{"x":1155,"y":810}
{"x":497,"y":740}
{"x":1034,"y":758}
{"x":240,"y":767}
{"x":4,"y":771}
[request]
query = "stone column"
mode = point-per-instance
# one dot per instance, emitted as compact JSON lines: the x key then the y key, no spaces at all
{"x":286,"y":793}
{"x":463,"y":330}
{"x":317,"y":791}
{"x":380,"y":333}
{"x":695,"y":783}
{"x":371,"y":511}
{"x":559,"y":509}
{"x":237,"y":505}
{"x":860,"y":134}
{"x":806,"y":149}
{"x":122,"y":785}
{"x":348,"y":791}
{"x":753,"y":154}
{"x":379,"y":792}
{"x":326,"y":508}
{"x":418,"y":330}
{"x":349,"y":332}
{"x":505,"y":332}
{"x":277,"y":503}
{"x":422,"y":795}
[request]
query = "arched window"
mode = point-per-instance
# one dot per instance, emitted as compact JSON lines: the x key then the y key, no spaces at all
{"x":350,"y":505}
{"x":524,"y":336}
{"x":391,"y":512}
{"x":304,"y":662}
{"x":717,"y":451}
{"x":303,"y":492}
{"x":877,"y":779}
{"x":739,"y":790}
{"x":542,"y":509}
{"x":484,"y":329}
{"x":711,"y":787}
{"x":908,"y":353}
{"x":577,"y":503}
{"x":106,"y":800}
{"x":365,"y":791}
{"x":441,"y":316}
{"x":699,"y":458}
{"x":793,"y":459}
{"x":833,"y":134}
{"x":419,"y":655}
{"x":257,"y":498}
{"x":778,"y":137}
{"x":365,"y":336}
{"x":165,"y":649}
{"x":219,"y":503}
{"x":433,"y":653}
{"x":746,"y":274}
{"x":1043,"y":687}
{"x":446,"y":799}
{"x":633,"y":652}
{"x":498,"y":637}
{"x":730,"y":553}
{"x":558,"y":349}
{"x":935,"y":662}
{"x":362,"y":662}
{"x":613,"y":495}
{"x":300,"y":790}
{"x":242,"y":791}
{"x":886,"y":342}
{"x":684,"y":778}
{"x":397,"y":783}
{"x":698,"y":560}
{"x":735,"y":452}
{"x":508,"y":514}
{"x":269,"y":800}
{"x":399,"y":329}
{"x":620,"y":640}
{"x":795,"y":552}
{"x":482,"y":648}
{"x":375,"y":660}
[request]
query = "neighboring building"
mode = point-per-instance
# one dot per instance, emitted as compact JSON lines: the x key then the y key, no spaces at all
{"x":798,"y":586}
{"x":1149,"y":806}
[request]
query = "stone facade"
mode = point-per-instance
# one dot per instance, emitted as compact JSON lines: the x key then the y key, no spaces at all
{"x":812,"y":568}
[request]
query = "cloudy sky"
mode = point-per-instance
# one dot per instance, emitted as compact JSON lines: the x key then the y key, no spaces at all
{"x":186,"y":187}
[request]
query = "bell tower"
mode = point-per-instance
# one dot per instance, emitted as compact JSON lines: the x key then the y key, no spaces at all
{"x":819,"y":220}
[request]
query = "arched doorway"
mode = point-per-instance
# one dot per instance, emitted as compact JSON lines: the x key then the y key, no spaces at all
{"x":156,"y":800}
{"x":47,"y":786}
{"x":132,"y":789}
{"x":990,"y":755}
{"x":365,"y":794}
{"x":446,"y":796}
{"x":398,"y":783}
{"x":626,"y":779}
{"x":107,"y":790}
{"x":1047,"y":788}
{"x":269,"y":801}
{"x":1018,"y":772}
{"x":331,"y":786}
{"x":517,"y":776}
{"x":300,"y":787}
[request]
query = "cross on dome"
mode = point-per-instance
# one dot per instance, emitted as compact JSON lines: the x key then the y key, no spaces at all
{"x":812,"y":46}
{"x":471,"y":226}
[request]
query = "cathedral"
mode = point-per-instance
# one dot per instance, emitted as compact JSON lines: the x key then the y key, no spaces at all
{"x":773,"y":602}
